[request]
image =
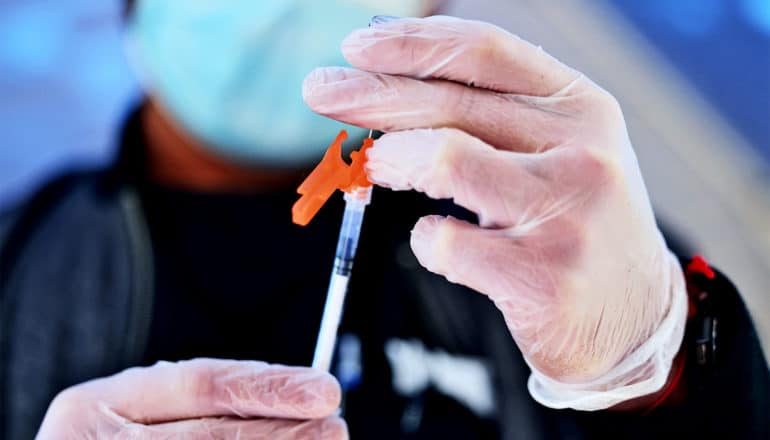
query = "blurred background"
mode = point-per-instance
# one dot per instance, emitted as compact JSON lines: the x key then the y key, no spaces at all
{"x":693,"y":77}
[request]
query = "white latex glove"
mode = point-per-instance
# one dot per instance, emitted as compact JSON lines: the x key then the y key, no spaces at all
{"x":199,"y":399}
{"x":567,"y":246}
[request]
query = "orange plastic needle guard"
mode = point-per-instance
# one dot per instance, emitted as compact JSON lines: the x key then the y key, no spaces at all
{"x":331,"y":174}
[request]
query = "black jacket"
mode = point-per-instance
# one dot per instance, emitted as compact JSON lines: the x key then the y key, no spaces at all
{"x":76,"y":295}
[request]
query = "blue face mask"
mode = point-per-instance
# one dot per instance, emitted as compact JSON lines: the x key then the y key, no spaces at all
{"x":230,"y":72}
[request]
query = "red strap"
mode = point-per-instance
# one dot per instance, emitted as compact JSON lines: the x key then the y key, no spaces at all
{"x":679,"y":365}
{"x":698,"y":265}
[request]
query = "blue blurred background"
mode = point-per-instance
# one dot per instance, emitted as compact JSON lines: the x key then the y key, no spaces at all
{"x":722,"y":47}
{"x":64,"y":86}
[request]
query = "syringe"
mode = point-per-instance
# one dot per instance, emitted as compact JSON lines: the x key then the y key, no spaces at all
{"x":356,"y":201}
{"x":330,"y":175}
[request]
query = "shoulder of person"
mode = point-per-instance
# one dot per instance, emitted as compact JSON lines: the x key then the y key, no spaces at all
{"x":72,"y":192}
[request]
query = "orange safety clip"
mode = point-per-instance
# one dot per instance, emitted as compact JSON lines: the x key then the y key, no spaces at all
{"x":331,"y":174}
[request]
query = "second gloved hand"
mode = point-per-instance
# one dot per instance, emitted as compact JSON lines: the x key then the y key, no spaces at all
{"x":567,"y":246}
{"x":199,"y":399}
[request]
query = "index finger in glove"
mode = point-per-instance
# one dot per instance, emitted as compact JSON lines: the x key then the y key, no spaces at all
{"x":209,"y":387}
{"x":391,"y":103}
{"x":465,"y":51}
{"x":506,"y":189}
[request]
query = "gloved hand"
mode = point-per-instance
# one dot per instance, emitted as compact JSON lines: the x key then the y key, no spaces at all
{"x":567,"y":246}
{"x":202,"y":398}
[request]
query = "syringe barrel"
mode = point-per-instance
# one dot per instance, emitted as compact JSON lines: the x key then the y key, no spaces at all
{"x":355,"y":204}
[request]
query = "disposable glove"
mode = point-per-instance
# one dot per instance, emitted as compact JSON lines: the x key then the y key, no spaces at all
{"x":199,"y":399}
{"x":567,"y":245}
